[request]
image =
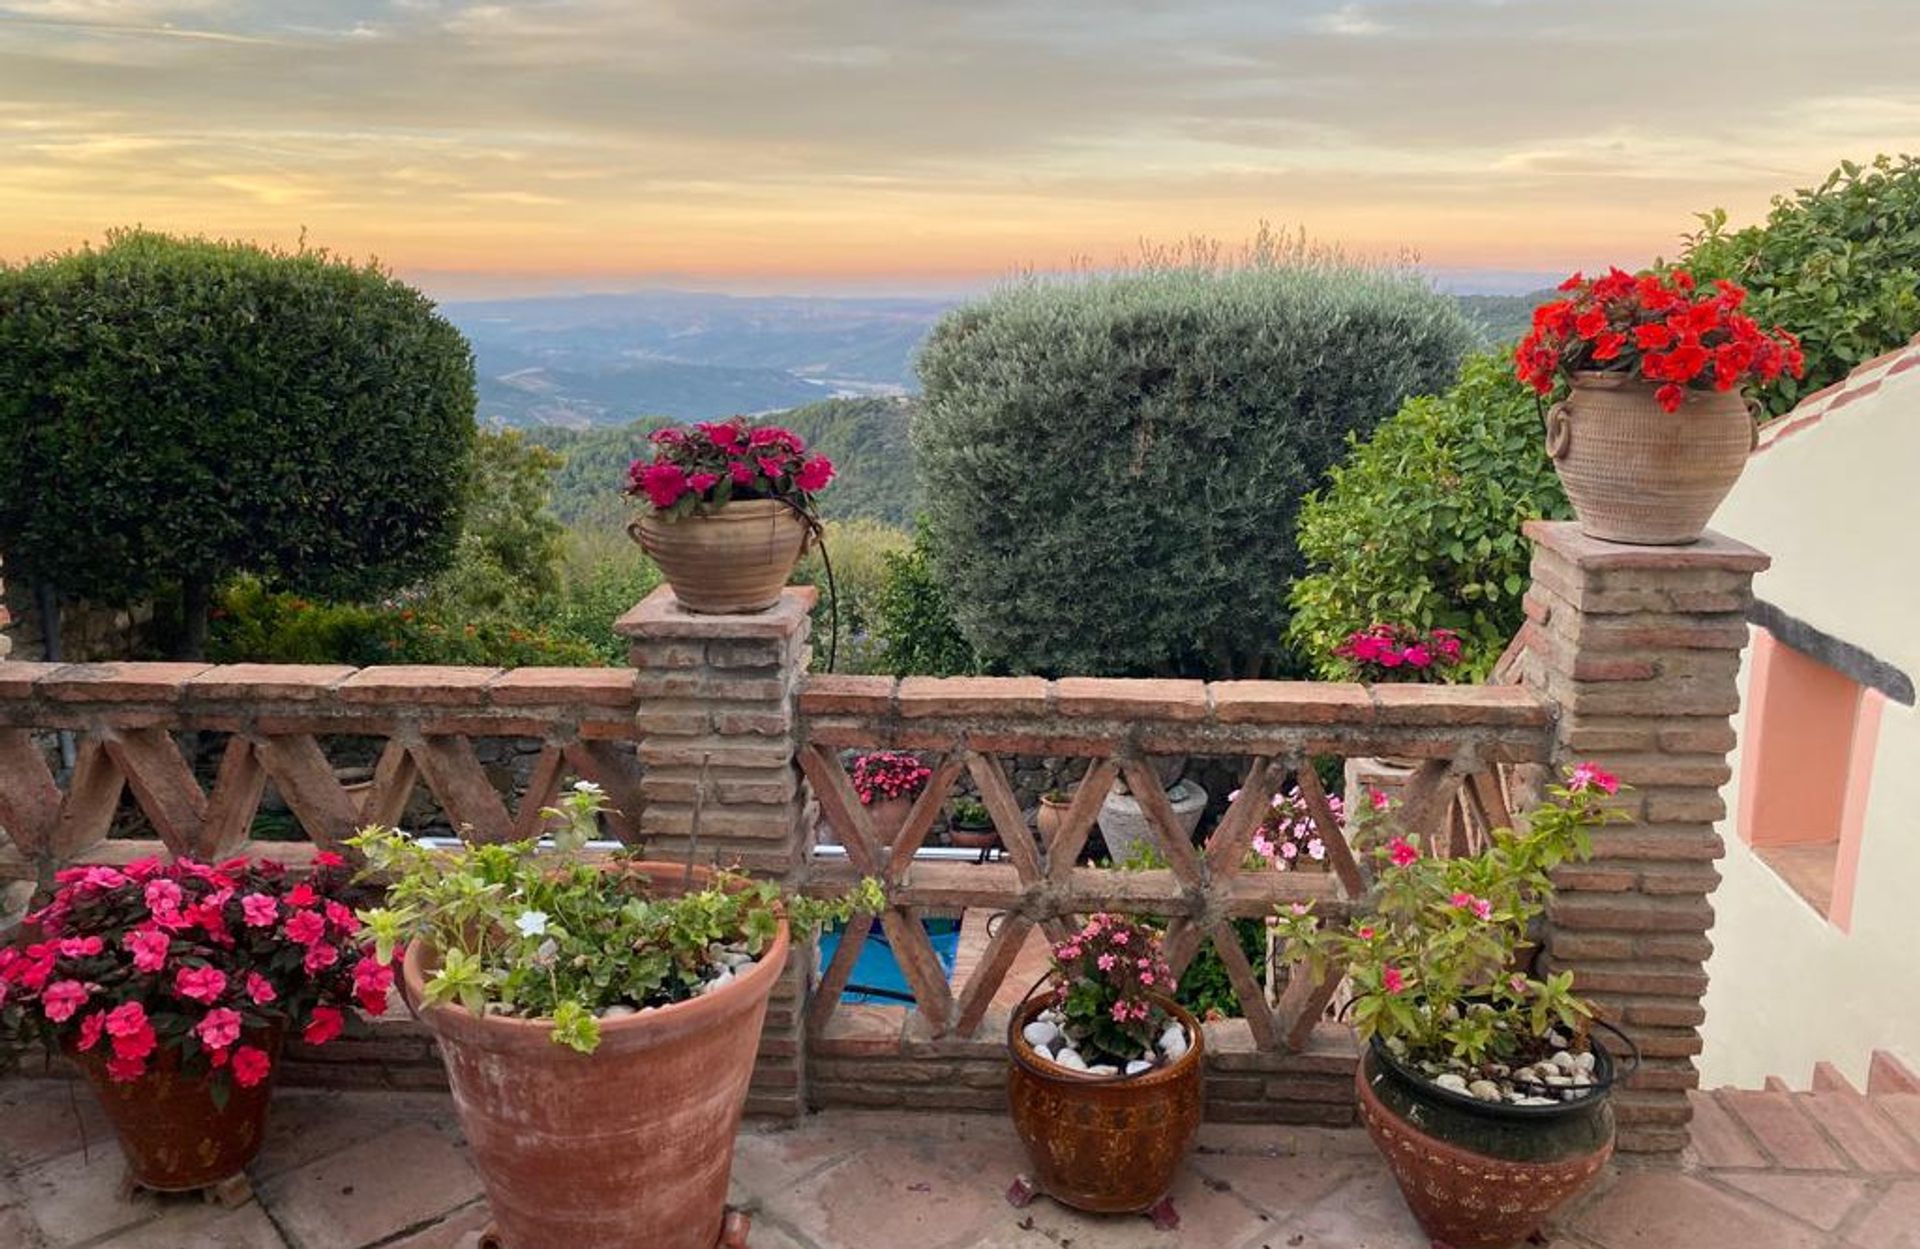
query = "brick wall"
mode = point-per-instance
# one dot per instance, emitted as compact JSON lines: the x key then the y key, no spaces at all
{"x":1639,"y":647}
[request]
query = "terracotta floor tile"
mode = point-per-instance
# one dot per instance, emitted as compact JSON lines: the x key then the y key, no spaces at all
{"x":930,"y":1194}
{"x":368,"y":1193}
{"x":1718,"y":1141}
{"x":459,"y":1230}
{"x":190,"y":1221}
{"x":1893,"y":1222}
{"x":1365,"y":1213}
{"x":76,"y":1197}
{"x":1284,"y":1187}
{"x":1789,"y":1136}
{"x":1869,"y":1140}
{"x":41,"y":1119}
{"x":1210,"y":1215}
{"x":1667,"y":1210}
{"x":1822,"y":1200}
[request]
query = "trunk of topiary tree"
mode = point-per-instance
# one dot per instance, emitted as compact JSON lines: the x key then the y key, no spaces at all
{"x":196,"y":601}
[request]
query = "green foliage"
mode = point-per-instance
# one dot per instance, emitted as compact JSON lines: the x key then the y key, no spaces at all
{"x":1205,"y":988}
{"x":1431,"y":960}
{"x":508,"y":556}
{"x":912,"y":619}
{"x":1421,"y":525}
{"x":865,"y":438}
{"x":862,"y":551}
{"x":1112,"y":465}
{"x":1837,"y":264}
{"x":173,"y":411}
{"x":544,"y":935}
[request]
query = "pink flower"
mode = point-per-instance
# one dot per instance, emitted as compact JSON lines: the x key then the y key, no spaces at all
{"x":302,"y":895}
{"x":1121,"y":936}
{"x":1482,"y":908}
{"x":1364,"y":932}
{"x":126,"y":1019}
{"x":741,"y":472}
{"x":250,"y":1066}
{"x":306,"y":927}
{"x":200,"y":984}
{"x":1379,"y":799}
{"x":1460,"y":898}
{"x":1392,"y":980}
{"x":341,"y":917}
{"x":325,"y":1024}
{"x":327,"y":858}
{"x":371,"y":981}
{"x":703,"y":482}
{"x":218,"y":1028}
{"x":320,"y":956}
{"x":1289,"y":850}
{"x":259,"y":909}
{"x":260,"y":990}
{"x":1106,"y":962}
{"x":132,"y":1033}
{"x":1401,"y":852}
{"x":814,"y":474}
{"x":90,"y":1029}
{"x":1316,"y":849}
{"x":1591,"y":776}
{"x":126,"y":1070}
{"x":663,"y":483}
{"x":163,"y":896}
{"x":62,"y":998}
{"x":81,"y":947}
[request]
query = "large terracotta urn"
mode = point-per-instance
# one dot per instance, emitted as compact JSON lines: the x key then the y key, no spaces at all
{"x":630,"y":1145}
{"x":1638,"y":474}
{"x":735,"y":559}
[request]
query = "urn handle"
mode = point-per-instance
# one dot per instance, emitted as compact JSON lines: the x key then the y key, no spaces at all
{"x":1757,"y":415}
{"x":1559,"y":431}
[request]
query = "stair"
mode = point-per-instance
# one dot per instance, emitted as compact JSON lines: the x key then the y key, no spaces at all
{"x":1832,"y":1127}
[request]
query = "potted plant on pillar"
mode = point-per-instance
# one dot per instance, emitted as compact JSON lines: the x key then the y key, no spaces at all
{"x":1485,"y":1088}
{"x":727,"y":510}
{"x":599,"y":1022}
{"x":1654,"y":429}
{"x":1106,"y":1082}
{"x":171,"y":986}
{"x":887,"y":782}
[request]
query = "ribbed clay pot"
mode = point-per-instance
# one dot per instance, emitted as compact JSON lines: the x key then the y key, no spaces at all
{"x":735,"y":560}
{"x":1638,"y":474}
{"x":630,"y":1145}
{"x":1485,"y":1176}
{"x":1099,"y":1143}
{"x":887,"y":817}
{"x":175,"y":1138}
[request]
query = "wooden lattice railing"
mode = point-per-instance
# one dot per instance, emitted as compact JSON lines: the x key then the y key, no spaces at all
{"x":1461,"y":737}
{"x":267,"y":722}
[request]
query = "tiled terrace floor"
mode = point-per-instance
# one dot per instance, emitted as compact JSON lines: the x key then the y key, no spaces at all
{"x":357,"y":1170}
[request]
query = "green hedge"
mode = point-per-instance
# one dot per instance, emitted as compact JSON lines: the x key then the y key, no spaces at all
{"x":1112,"y":465}
{"x":1421,"y":525}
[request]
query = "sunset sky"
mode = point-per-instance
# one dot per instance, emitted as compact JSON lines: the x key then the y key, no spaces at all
{"x":829,"y":144}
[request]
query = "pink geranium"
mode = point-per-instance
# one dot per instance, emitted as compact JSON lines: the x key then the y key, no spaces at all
{"x":709,"y":464}
{"x":200,"y":984}
{"x":219,"y":1028}
{"x":250,"y":1066}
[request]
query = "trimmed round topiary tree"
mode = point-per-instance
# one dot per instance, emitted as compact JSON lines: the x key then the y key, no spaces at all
{"x":174,"y":411}
{"x":1112,"y":465}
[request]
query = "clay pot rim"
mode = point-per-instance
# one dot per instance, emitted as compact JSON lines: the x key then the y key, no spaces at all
{"x":734,"y":511}
{"x":1028,"y":1061}
{"x":518,"y":1032}
{"x":1597,"y":379}
{"x":1424,"y":1087}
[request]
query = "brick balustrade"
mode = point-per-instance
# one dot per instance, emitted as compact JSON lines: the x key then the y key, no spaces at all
{"x":1628,"y":657}
{"x":1639,"y":648}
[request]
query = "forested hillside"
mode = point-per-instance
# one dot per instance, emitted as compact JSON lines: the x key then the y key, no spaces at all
{"x":866,"y":439}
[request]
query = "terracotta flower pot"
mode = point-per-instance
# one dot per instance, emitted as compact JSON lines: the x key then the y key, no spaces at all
{"x":888,"y":816}
{"x":1049,"y":818}
{"x":1637,"y":474}
{"x":630,"y":1145}
{"x":1107,"y":1145}
{"x":175,"y":1137}
{"x":971,"y":838}
{"x":1485,"y":1176}
{"x":734,"y":560}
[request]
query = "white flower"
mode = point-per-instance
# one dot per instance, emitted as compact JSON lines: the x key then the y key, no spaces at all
{"x":585,"y":787}
{"x":531,"y":923}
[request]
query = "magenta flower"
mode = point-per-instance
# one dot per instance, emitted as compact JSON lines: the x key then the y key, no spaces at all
{"x":218,"y":1028}
{"x":1591,"y":776}
{"x":1401,"y":852}
{"x":1393,"y":980}
{"x":200,"y":984}
{"x":62,"y":998}
{"x":149,"y":948}
{"x":259,"y":909}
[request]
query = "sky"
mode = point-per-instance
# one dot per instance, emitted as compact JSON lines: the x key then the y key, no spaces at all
{"x":926,"y":144}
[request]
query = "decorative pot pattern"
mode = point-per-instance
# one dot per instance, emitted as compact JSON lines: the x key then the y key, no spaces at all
{"x":1468,"y":1199}
{"x":1107,"y":1145}
{"x":1640,"y":475}
{"x":630,"y":1145}
{"x":734,"y":560}
{"x":173,"y":1135}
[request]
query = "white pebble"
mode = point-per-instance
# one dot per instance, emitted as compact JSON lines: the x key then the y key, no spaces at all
{"x":1039,"y":1033}
{"x":1583,"y":1062}
{"x":1449,"y":1080}
{"x":1173,"y":1042}
{"x":1070,"y":1059}
{"x":1138,"y":1065}
{"x":1484,"y":1090}
{"x":719,"y":982}
{"x":1103,"y":1069}
{"x":617,"y":1011}
{"x":1536,"y":1101}
{"x":1563,"y":1060}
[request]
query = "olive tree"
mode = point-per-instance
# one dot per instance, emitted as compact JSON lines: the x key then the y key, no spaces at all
{"x":174,"y":411}
{"x":1112,"y":464}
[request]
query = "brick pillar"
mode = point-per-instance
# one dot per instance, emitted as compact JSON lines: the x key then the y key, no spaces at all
{"x":718,"y":692}
{"x":1640,"y":649}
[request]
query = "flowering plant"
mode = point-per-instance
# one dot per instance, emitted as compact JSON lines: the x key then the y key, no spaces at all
{"x":1432,"y":964}
{"x":705,"y":466}
{"x":1397,"y":652}
{"x":1288,"y":837}
{"x":209,"y":961}
{"x":1106,"y":979}
{"x":516,"y":930}
{"x":1658,"y":326}
{"x":884,"y":774}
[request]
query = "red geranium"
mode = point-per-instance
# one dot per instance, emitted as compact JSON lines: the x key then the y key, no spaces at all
{"x":884,"y":774}
{"x":1390,"y":652}
{"x":1660,"y":327}
{"x":204,"y":959}
{"x":711,"y":463}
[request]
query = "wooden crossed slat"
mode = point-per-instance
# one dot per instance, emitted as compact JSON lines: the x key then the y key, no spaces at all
{"x":234,"y":802}
{"x":1303,"y":1003}
{"x":1246,"y":986}
{"x":394,"y":777}
{"x":913,"y":951}
{"x":1332,"y":834}
{"x":833,"y":788}
{"x":920,"y":818}
{"x":300,"y":771}
{"x":1081,"y":814}
{"x":1233,"y":836}
{"x":162,"y":784}
{"x":29,"y":799}
{"x":616,"y":772}
{"x":543,"y":787}
{"x":1002,"y":949}
{"x":833,"y":982}
{"x":1147,"y":790}
{"x":452,"y":771}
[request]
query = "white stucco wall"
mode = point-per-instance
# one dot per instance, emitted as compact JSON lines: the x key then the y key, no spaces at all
{"x":1837,"y":505}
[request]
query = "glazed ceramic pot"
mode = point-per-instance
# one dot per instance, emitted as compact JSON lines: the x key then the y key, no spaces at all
{"x":1638,"y":474}
{"x":629,"y":1145}
{"x":175,"y":1136}
{"x":734,"y":560}
{"x":1482,"y":1175}
{"x":1105,"y":1144}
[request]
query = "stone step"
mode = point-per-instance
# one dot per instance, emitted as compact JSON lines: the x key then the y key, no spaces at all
{"x":1828,"y":1078}
{"x":1887,"y":1074}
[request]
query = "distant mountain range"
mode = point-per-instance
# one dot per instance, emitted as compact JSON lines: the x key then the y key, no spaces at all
{"x":585,"y":361}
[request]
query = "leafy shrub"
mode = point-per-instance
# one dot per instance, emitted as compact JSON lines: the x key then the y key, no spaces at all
{"x":1838,"y":264}
{"x":174,"y":411}
{"x":1112,"y":465}
{"x":1421,"y":525}
{"x":913,"y":620}
{"x":508,"y":555}
{"x":861,"y":551}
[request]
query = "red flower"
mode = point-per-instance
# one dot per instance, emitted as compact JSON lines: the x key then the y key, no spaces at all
{"x":703,"y":482}
{"x":1670,"y":397}
{"x":814,"y":474}
{"x":260,"y":990}
{"x":1401,"y":852}
{"x":1589,"y":323}
{"x":90,"y":1029}
{"x":1652,"y":337}
{"x":250,"y":1066}
{"x":664,"y":484}
{"x":1591,"y":776}
{"x":372,"y":979}
{"x":741,"y":472}
{"x":306,"y":927}
{"x":325,"y":858}
{"x":1392,"y":979}
{"x":325,"y":1024}
{"x":200,"y":984}
{"x":1607,"y":346}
